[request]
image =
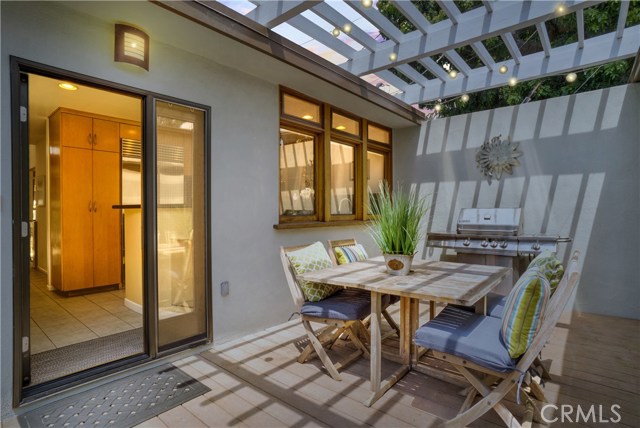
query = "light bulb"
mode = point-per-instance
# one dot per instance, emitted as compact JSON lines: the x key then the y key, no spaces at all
{"x":335,"y":32}
{"x":393,"y":56}
{"x":560,"y":9}
{"x":513,"y":81}
{"x":68,"y":86}
{"x":307,"y":117}
{"x":346,"y":28}
{"x":453,"y":74}
{"x":571,"y":77}
{"x":503,"y":69}
{"x":464,"y":98}
{"x":438,"y":107}
{"x":366,"y":3}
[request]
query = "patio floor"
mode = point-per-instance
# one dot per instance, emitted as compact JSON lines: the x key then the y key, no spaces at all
{"x":256,"y":381}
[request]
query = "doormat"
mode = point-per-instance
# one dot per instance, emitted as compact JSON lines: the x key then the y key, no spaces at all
{"x":59,"y":362}
{"x":122,"y":403}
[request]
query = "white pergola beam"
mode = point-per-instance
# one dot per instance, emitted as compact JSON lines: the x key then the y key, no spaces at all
{"x":392,"y":79}
{"x":544,"y":38}
{"x":458,"y":62}
{"x":483,"y":54}
{"x":476,"y":25}
{"x":413,"y":15}
{"x":597,"y":50}
{"x":321,"y":35}
{"x":332,"y":16}
{"x":273,"y":13}
{"x":580,"y":25}
{"x":412,"y":74}
{"x":512,"y":46}
{"x":488,"y":4}
{"x":378,"y":20}
{"x":622,"y":17}
{"x":435,"y":68}
{"x":450,"y":9}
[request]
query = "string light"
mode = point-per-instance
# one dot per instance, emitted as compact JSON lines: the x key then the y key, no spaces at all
{"x":464,"y":98}
{"x":513,"y":81}
{"x":438,"y":107}
{"x":453,"y":74}
{"x":503,"y":69}
{"x":346,"y":28}
{"x":560,"y":9}
{"x":335,"y":32}
{"x":366,"y":3}
{"x":571,"y":77}
{"x":393,"y":56}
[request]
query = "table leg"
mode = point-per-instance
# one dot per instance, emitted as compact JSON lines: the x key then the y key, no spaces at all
{"x":432,"y":309}
{"x":481,"y":306}
{"x":376,"y":341}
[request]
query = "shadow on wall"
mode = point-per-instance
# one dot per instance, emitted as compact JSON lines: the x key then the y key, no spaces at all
{"x":578,"y":177}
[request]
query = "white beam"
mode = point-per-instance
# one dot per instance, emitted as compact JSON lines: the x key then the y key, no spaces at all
{"x":509,"y":16}
{"x":512,"y":46}
{"x":597,"y":50}
{"x":273,"y":13}
{"x":332,"y":16}
{"x":394,"y":80}
{"x":413,"y":74}
{"x":488,"y":4}
{"x":434,"y":68}
{"x":413,"y":15}
{"x":380,"y":21}
{"x":622,"y":17}
{"x":484,"y":55}
{"x":544,"y":37}
{"x":321,"y":35}
{"x":458,"y":62}
{"x":450,"y":9}
{"x":580,"y":25}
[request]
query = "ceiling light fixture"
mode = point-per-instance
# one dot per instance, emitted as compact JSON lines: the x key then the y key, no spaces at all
{"x":307,"y":117}
{"x":438,"y":107}
{"x":393,"y":56}
{"x":503,"y":69}
{"x":453,"y":74}
{"x":464,"y":98}
{"x":366,"y":3}
{"x":346,"y":28}
{"x":513,"y":81}
{"x":571,"y":77}
{"x":68,"y":86}
{"x":341,"y":127}
{"x":335,"y":32}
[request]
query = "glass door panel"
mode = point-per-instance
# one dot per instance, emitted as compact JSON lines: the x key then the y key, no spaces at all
{"x":180,"y":178}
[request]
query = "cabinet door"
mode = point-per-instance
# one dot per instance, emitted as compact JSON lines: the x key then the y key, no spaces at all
{"x":107,"y":258}
{"x":76,"y":131}
{"x":106,"y":135}
{"x":131,"y":132}
{"x":77,"y":219}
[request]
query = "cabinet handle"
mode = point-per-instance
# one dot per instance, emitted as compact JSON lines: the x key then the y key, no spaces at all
{"x":89,"y":206}
{"x":90,"y":139}
{"x":95,"y":209}
{"x":95,"y":139}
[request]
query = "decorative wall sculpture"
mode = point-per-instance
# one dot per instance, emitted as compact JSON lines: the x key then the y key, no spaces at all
{"x":497,"y":156}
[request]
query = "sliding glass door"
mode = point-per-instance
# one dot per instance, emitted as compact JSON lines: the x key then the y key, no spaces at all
{"x":181,"y":234}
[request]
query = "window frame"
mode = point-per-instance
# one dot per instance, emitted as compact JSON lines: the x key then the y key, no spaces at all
{"x":325,"y":134}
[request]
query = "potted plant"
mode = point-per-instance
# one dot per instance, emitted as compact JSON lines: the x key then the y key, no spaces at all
{"x":395,"y":225}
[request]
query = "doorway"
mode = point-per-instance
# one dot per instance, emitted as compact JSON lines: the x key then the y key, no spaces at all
{"x":113,"y":272}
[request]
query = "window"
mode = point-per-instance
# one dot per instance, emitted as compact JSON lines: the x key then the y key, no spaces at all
{"x":327,"y":163}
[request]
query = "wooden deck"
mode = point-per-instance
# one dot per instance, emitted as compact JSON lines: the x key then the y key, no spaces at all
{"x":255,"y":381}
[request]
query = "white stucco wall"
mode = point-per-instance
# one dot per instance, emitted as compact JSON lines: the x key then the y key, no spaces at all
{"x":578,"y":177}
{"x":244,"y":148}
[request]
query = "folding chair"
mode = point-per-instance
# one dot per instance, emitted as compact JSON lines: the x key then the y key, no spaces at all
{"x":471,"y":343}
{"x":342,"y":312}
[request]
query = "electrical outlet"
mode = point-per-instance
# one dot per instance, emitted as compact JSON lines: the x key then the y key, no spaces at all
{"x":224,"y":288}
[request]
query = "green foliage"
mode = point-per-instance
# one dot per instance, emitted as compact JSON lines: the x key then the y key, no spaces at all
{"x":395,"y":225}
{"x":598,"y":19}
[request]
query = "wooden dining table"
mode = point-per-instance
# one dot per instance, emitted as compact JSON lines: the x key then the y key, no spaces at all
{"x":435,"y":281}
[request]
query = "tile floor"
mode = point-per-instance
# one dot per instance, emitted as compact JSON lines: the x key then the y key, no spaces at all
{"x":58,"y":321}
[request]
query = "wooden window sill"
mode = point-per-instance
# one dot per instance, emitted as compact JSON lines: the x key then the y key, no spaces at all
{"x":311,"y":224}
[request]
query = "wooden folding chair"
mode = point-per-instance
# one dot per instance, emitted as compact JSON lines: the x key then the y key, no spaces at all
{"x":388,"y":301}
{"x":350,"y":308}
{"x":491,"y":378}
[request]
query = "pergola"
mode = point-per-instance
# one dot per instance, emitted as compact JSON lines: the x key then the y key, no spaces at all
{"x":337,"y":30}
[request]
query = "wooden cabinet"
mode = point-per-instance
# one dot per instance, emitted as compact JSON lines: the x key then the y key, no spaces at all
{"x":85,"y":184}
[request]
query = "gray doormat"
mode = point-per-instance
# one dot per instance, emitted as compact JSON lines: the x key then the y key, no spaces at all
{"x":122,"y":403}
{"x":70,"y":359}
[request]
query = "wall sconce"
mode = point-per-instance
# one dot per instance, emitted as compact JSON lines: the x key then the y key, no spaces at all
{"x":132,"y":46}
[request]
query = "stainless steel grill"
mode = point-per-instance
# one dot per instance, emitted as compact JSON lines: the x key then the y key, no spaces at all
{"x":494,"y":236}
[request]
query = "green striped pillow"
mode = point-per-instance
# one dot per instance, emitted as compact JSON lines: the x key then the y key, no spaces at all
{"x":350,"y":254}
{"x":524,"y":311}
{"x":309,"y":259}
{"x":550,"y":266}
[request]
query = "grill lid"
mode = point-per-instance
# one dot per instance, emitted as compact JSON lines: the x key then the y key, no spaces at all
{"x":494,"y":221}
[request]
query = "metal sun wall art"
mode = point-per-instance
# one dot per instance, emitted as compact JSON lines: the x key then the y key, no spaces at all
{"x":497,"y":156}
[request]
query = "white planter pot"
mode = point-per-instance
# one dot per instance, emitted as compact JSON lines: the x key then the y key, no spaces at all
{"x":398,"y":264}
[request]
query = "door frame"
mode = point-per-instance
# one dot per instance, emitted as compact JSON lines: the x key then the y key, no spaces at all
{"x":20,"y":245}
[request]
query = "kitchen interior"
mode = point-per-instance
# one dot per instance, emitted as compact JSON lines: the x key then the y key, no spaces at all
{"x":86,"y":277}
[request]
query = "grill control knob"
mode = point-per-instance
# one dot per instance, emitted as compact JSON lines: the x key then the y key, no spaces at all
{"x":466,"y":242}
{"x":535,"y":246}
{"x":494,"y":244}
{"x":503,"y":244}
{"x":484,"y":243}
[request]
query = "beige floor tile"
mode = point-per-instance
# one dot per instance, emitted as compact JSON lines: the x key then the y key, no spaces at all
{"x":153,"y":423}
{"x":39,"y":340}
{"x":180,"y":417}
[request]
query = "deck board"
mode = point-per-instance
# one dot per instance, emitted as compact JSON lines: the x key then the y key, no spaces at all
{"x":256,"y":381}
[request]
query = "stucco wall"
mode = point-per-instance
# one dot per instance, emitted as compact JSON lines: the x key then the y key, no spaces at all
{"x":244,"y":153}
{"x":578,"y":177}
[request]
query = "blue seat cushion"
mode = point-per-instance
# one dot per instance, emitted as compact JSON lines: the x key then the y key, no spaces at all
{"x":495,"y":305}
{"x":344,"y":305}
{"x":467,"y":335}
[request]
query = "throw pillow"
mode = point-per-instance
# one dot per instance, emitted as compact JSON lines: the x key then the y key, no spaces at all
{"x":524,"y":311}
{"x":550,"y":266}
{"x":350,"y":254}
{"x":309,"y":259}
